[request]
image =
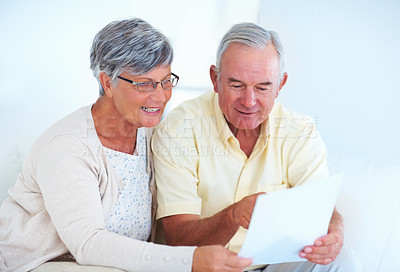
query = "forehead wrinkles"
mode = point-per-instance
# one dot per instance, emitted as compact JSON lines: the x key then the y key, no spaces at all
{"x":244,"y":62}
{"x":251,"y":72}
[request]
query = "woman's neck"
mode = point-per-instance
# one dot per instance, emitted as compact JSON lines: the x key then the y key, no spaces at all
{"x":113,"y":130}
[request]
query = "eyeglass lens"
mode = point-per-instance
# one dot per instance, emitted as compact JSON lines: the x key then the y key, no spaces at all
{"x":151,"y":85}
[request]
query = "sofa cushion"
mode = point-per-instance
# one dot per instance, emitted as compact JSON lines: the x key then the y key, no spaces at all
{"x":72,"y":267}
{"x":370,"y":206}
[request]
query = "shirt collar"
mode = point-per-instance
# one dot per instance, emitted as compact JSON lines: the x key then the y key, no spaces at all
{"x":220,"y":120}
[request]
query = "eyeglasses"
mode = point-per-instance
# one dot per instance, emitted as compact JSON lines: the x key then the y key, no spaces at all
{"x":149,"y":86}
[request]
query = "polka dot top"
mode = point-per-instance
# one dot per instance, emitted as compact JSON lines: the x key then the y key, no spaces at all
{"x":131,"y":215}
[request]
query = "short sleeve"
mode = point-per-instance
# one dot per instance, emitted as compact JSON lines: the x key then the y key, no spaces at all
{"x":175,"y":164}
{"x":305,"y":155}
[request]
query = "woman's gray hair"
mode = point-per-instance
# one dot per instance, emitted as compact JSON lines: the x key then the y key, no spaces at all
{"x":252,"y":35}
{"x":131,"y":46}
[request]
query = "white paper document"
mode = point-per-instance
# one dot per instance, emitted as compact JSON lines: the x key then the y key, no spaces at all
{"x":286,"y":221}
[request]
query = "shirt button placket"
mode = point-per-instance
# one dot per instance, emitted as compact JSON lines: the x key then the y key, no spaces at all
{"x":243,"y":184}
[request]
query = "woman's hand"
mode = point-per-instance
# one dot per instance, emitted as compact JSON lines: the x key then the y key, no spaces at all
{"x":217,"y":258}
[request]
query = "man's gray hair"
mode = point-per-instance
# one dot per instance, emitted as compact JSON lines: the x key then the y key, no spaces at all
{"x":252,"y":35}
{"x":131,"y":46}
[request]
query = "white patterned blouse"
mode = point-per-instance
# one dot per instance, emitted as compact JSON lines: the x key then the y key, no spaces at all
{"x":131,"y":215}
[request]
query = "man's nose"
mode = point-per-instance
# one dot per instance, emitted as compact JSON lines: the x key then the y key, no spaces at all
{"x":248,"y":98}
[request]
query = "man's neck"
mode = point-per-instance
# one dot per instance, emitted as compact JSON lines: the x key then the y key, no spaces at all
{"x":247,"y":138}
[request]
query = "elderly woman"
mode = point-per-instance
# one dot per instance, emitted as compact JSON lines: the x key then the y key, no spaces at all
{"x":86,"y":190}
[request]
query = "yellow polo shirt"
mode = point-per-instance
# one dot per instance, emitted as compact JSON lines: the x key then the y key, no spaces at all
{"x":200,"y":168}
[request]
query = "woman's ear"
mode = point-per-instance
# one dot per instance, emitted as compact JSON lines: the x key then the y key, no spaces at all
{"x":214,"y":77}
{"x":106,"y":84}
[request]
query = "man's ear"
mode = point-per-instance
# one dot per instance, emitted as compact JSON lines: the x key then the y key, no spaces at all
{"x":282,"y":83}
{"x":214,"y":77}
{"x":106,"y":83}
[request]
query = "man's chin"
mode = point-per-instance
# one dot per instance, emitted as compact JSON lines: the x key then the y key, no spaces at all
{"x":246,"y":125}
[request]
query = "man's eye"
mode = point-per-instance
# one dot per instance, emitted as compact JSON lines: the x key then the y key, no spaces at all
{"x":236,"y":86}
{"x":263,"y":90}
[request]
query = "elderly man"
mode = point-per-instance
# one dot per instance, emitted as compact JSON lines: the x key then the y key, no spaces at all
{"x":215,"y":154}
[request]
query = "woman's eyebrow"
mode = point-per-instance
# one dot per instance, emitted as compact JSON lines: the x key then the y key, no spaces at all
{"x":150,"y":79}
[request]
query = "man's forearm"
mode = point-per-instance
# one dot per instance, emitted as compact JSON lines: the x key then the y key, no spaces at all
{"x":190,"y":230}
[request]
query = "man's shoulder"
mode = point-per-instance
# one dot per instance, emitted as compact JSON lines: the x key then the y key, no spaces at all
{"x":283,"y":120}
{"x":281,"y":112}
{"x":190,"y":109}
{"x":281,"y":109}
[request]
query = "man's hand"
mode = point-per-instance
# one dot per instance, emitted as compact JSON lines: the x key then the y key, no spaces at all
{"x":326,"y":248}
{"x":242,"y":210}
{"x":217,"y":258}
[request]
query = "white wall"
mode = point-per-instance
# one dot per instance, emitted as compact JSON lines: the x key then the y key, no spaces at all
{"x":343,"y":64}
{"x":44,"y":68}
{"x":44,"y":58}
{"x":342,"y":59}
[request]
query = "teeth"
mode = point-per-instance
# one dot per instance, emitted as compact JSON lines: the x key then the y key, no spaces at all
{"x":150,"y":109}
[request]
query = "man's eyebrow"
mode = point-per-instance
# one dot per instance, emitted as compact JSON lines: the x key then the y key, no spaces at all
{"x":231,"y":79}
{"x":265,"y":83}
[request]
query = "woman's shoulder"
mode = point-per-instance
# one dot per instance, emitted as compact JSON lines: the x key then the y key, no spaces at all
{"x":76,"y":122}
{"x":78,"y":125}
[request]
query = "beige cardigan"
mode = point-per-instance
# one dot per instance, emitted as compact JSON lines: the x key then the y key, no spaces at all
{"x":60,"y":201}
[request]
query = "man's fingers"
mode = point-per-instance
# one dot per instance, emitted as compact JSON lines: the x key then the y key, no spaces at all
{"x":326,"y":240}
{"x":246,"y":223}
{"x":332,"y":254}
{"x":325,"y":248}
{"x":320,"y":255}
{"x":322,"y":261}
{"x":322,"y":249}
{"x":244,"y":209}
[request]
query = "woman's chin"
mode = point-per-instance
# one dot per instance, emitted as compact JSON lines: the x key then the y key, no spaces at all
{"x":151,"y":122}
